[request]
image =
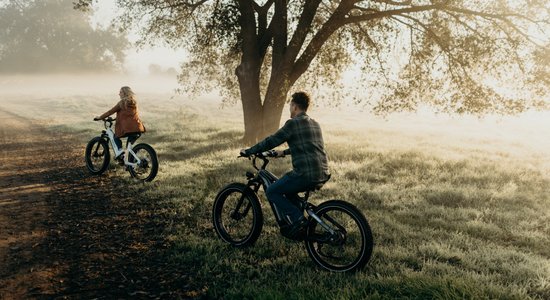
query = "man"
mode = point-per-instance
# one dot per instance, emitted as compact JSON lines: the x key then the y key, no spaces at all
{"x":309,"y":162}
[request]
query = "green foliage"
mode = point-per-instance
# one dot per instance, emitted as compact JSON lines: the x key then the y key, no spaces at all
{"x":457,"y":56}
{"x":50,"y":36}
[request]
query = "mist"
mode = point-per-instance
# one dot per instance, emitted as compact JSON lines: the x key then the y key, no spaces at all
{"x":524,"y":133}
{"x":51,"y":37}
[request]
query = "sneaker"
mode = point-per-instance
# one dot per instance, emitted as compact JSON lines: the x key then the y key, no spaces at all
{"x":120,"y":159}
{"x":295,"y":231}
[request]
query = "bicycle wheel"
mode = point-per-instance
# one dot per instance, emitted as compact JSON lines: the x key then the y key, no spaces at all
{"x":350,"y":248}
{"x":97,"y":155}
{"x":237,"y":215}
{"x":148,"y":167}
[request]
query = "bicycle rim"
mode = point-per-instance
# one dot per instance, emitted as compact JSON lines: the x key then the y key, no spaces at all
{"x":236,"y":217}
{"x":144,"y":170}
{"x":352,"y":247}
{"x":97,"y":156}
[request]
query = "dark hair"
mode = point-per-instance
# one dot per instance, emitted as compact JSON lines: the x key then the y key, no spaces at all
{"x":301,"y":99}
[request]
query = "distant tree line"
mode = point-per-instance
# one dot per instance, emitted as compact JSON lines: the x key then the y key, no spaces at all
{"x":50,"y":36}
{"x":158,"y":70}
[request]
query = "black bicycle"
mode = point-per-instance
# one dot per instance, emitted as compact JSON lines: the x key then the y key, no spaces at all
{"x":338,"y":237}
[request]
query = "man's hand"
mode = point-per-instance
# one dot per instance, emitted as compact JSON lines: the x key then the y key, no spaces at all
{"x":243,"y":153}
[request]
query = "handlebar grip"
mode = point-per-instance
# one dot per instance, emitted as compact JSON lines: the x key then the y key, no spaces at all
{"x":269,"y":153}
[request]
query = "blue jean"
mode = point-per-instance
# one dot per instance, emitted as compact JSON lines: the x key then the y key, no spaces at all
{"x":280,"y":192}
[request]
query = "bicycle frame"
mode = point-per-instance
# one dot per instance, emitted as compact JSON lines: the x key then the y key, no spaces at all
{"x":264,"y":178}
{"x":109,"y":134}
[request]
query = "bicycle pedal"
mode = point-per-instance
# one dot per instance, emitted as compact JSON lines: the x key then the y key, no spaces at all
{"x":299,"y":236}
{"x":321,"y":238}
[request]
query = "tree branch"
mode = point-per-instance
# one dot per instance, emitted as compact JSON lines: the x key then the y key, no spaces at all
{"x":377,"y":50}
{"x":280,"y":32}
{"x":250,"y":44}
{"x":390,"y":2}
{"x":336,"y":21}
{"x":262,"y":9}
{"x":452,"y":61}
{"x":265,"y":32}
{"x":502,"y":17}
{"x":302,"y":29}
{"x":387,"y":13}
{"x":265,"y":40}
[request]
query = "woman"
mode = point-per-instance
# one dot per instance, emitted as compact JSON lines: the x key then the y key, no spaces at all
{"x":128,"y":123}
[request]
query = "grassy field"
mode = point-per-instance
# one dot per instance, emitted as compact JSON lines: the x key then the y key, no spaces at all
{"x":459,"y":208}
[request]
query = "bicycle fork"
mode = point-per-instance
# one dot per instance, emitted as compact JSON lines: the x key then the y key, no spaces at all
{"x":235,"y":214}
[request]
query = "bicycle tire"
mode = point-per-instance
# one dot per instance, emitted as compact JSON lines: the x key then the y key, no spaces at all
{"x":104,"y":155}
{"x":151,"y":163}
{"x":224,"y":228}
{"x":330,"y":210}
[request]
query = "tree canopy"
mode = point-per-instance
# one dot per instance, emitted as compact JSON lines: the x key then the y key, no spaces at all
{"x":50,"y":36}
{"x":459,"y":56}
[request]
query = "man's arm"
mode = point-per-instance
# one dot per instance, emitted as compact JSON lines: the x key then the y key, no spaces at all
{"x":272,"y":141}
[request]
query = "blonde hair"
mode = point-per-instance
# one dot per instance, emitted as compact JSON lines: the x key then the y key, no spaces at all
{"x":127,"y":97}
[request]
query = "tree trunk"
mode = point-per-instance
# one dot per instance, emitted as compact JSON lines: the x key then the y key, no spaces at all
{"x":248,"y":73}
{"x":274,"y":103}
{"x":273,"y":109}
{"x":249,"y":84}
{"x":260,"y":120}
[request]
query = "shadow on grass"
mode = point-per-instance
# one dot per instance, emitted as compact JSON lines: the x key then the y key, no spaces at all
{"x":112,"y":240}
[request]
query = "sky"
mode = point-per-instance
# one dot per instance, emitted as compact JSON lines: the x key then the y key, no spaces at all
{"x":137,"y":60}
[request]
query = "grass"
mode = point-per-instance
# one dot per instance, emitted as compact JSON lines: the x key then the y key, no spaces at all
{"x":454,"y":215}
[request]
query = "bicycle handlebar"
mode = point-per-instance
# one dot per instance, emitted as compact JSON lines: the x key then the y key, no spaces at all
{"x":106,"y":121}
{"x":268,"y":153}
{"x":261,"y":155}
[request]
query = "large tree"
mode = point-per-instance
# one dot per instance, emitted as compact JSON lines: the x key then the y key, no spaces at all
{"x":460,"y":56}
{"x":50,"y":36}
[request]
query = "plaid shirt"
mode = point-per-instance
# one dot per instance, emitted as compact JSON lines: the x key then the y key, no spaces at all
{"x":305,"y":142}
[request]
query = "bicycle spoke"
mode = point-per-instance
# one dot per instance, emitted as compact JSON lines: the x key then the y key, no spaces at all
{"x":97,"y":156}
{"x":237,"y":215}
{"x":349,"y":247}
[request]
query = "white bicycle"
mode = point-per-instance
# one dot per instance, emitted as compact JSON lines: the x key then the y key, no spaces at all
{"x":140,"y":160}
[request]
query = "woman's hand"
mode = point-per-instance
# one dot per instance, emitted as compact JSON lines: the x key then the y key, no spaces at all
{"x":97,"y":118}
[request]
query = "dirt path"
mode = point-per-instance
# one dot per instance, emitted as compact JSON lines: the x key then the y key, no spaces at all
{"x":66,"y":234}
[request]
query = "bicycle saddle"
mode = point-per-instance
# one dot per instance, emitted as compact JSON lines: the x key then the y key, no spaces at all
{"x":318,"y":184}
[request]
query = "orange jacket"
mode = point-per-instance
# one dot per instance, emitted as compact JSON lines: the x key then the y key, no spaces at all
{"x":127,"y":120}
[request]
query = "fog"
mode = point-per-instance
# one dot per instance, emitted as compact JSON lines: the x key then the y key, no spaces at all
{"x":529,"y":131}
{"x":52,"y":85}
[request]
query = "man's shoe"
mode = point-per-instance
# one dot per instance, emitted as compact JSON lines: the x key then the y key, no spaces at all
{"x":295,"y":231}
